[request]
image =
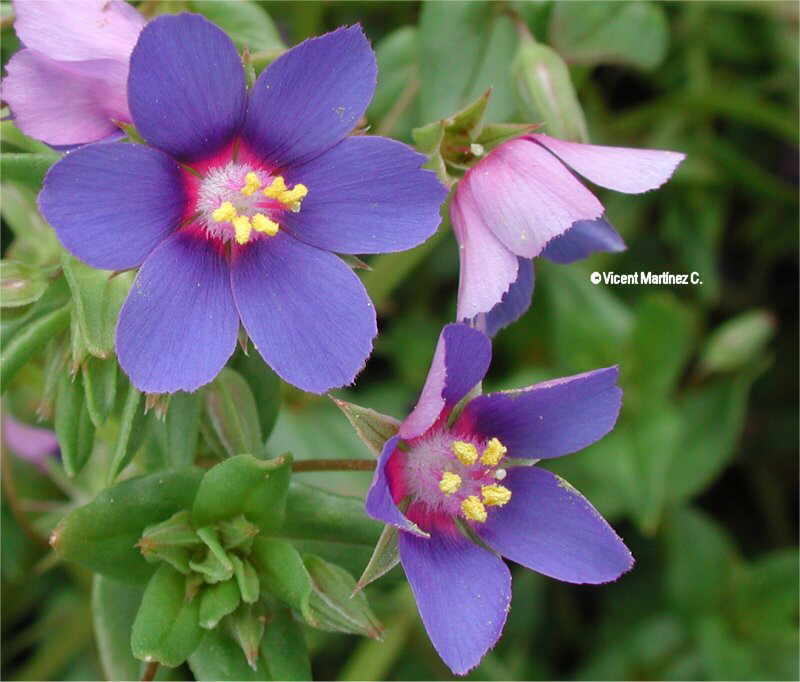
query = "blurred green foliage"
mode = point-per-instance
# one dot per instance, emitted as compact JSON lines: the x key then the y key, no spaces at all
{"x":700,"y":475}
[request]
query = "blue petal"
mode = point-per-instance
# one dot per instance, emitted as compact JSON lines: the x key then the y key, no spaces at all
{"x":513,"y":304}
{"x":583,"y":239}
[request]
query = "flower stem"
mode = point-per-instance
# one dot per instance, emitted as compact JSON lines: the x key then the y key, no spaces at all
{"x":150,"y":671}
{"x":334,"y":465}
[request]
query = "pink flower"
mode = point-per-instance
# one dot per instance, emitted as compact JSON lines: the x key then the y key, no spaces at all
{"x":523,"y":200}
{"x":69,"y":83}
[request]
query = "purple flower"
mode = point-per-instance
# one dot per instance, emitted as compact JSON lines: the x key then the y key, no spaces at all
{"x":29,"y":442}
{"x":68,"y":86}
{"x":234,"y":211}
{"x":451,"y":480}
{"x":523,"y":200}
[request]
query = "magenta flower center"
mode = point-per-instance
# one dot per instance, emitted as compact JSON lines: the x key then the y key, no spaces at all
{"x":445,"y":475}
{"x":238,"y":201}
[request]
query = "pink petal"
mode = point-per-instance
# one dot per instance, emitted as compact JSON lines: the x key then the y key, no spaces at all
{"x":526,"y":196}
{"x":487,"y":267}
{"x":65,"y":103}
{"x":77,"y":30}
{"x":625,"y":170}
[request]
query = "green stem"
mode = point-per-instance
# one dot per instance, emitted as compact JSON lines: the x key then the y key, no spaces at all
{"x":334,"y":465}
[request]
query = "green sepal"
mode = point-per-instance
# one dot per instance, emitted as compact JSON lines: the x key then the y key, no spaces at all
{"x":172,"y":541}
{"x":73,"y":424}
{"x":103,"y":534}
{"x":428,"y":138}
{"x":20,"y":283}
{"x":373,"y":428}
{"x":282,"y":572}
{"x":218,"y":601}
{"x":246,"y":578}
{"x":177,"y":434}
{"x":247,"y":626}
{"x":495,"y":134}
{"x":100,"y":387}
{"x":166,"y":628}
{"x":130,"y":434}
{"x":237,"y":533}
{"x":232,"y":412}
{"x":216,"y":565}
{"x":384,"y":558}
{"x":245,"y":485}
{"x":219,"y":657}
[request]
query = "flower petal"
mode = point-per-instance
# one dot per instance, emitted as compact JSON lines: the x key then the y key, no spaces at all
{"x":366,"y":195}
{"x":178,"y":326}
{"x":307,"y":313}
{"x":309,"y":98}
{"x":29,"y":442}
{"x":79,"y":29}
{"x":583,"y":239}
{"x":460,"y":362}
{"x":66,"y":103}
{"x":620,"y":168}
{"x":549,"y":527}
{"x":526,"y":196}
{"x":380,"y":503}
{"x":463,"y":594}
{"x":548,"y":419}
{"x":186,"y":88}
{"x":513,"y":304}
{"x":487,"y":268}
{"x":112,"y":204}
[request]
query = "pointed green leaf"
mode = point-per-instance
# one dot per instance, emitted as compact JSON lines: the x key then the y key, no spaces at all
{"x":217,"y":601}
{"x":282,"y":572}
{"x":266,"y":388}
{"x":28,"y":169}
{"x":73,"y":424}
{"x":246,"y":579}
{"x":247,"y":626}
{"x":130,"y":434}
{"x":100,"y":387}
{"x":114,"y":607}
{"x":284,"y":647}
{"x":20,"y":283}
{"x":166,"y":628}
{"x":428,"y":138}
{"x":372,"y":427}
{"x":178,"y":432}
{"x":384,"y":558}
{"x":219,"y":657}
{"x":232,"y":411}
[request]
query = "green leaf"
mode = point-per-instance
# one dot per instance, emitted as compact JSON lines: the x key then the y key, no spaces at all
{"x":178,"y":432}
{"x":282,"y":572}
{"x":28,"y":169}
{"x":219,"y":657}
{"x":247,"y":626}
{"x":372,"y":427}
{"x":397,"y":79}
{"x":245,"y":22}
{"x":216,"y":602}
{"x":738,"y":341}
{"x":544,"y":87}
{"x":629,"y":33}
{"x":100,"y":387}
{"x":103,"y":534}
{"x":98,"y":297}
{"x":334,"y":603}
{"x":231,"y":409}
{"x":20,"y":283}
{"x":266,"y":388}
{"x":114,"y":607}
{"x":166,"y":628}
{"x":130,"y":434}
{"x":284,"y":648}
{"x":73,"y":424}
{"x":34,"y":241}
{"x":245,"y":485}
{"x":384,"y":558}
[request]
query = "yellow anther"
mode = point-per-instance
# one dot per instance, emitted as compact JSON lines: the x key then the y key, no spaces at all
{"x":276,"y":188}
{"x":297,"y":193}
{"x":243,"y":228}
{"x":495,"y":495}
{"x":263,"y":224}
{"x":225,"y":212}
{"x":466,"y":452}
{"x":473,"y":509}
{"x":450,"y":483}
{"x":251,"y":184}
{"x":493,"y":453}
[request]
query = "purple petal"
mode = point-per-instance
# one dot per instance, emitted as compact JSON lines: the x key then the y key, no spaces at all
{"x":619,"y":168}
{"x":79,"y":29}
{"x":583,"y":239}
{"x":29,"y":442}
{"x":380,"y":503}
{"x":463,"y":594}
{"x":179,"y":325}
{"x":460,"y":362}
{"x":366,"y":195}
{"x":309,"y":98}
{"x":487,"y":268}
{"x":549,"y":419}
{"x":526,"y":196}
{"x":186,"y":88}
{"x":549,"y":527}
{"x":65,"y":103}
{"x":513,"y":304}
{"x":307,"y":313}
{"x":112,"y":204}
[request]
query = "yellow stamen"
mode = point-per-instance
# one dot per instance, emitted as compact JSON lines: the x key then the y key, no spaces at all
{"x":243,"y":228}
{"x":493,"y":453}
{"x":294,"y":195}
{"x":473,"y":509}
{"x":450,"y":483}
{"x":466,"y":452}
{"x":495,"y":495}
{"x":251,"y":184}
{"x":263,"y":224}
{"x":224,"y":213}
{"x":275,"y":189}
